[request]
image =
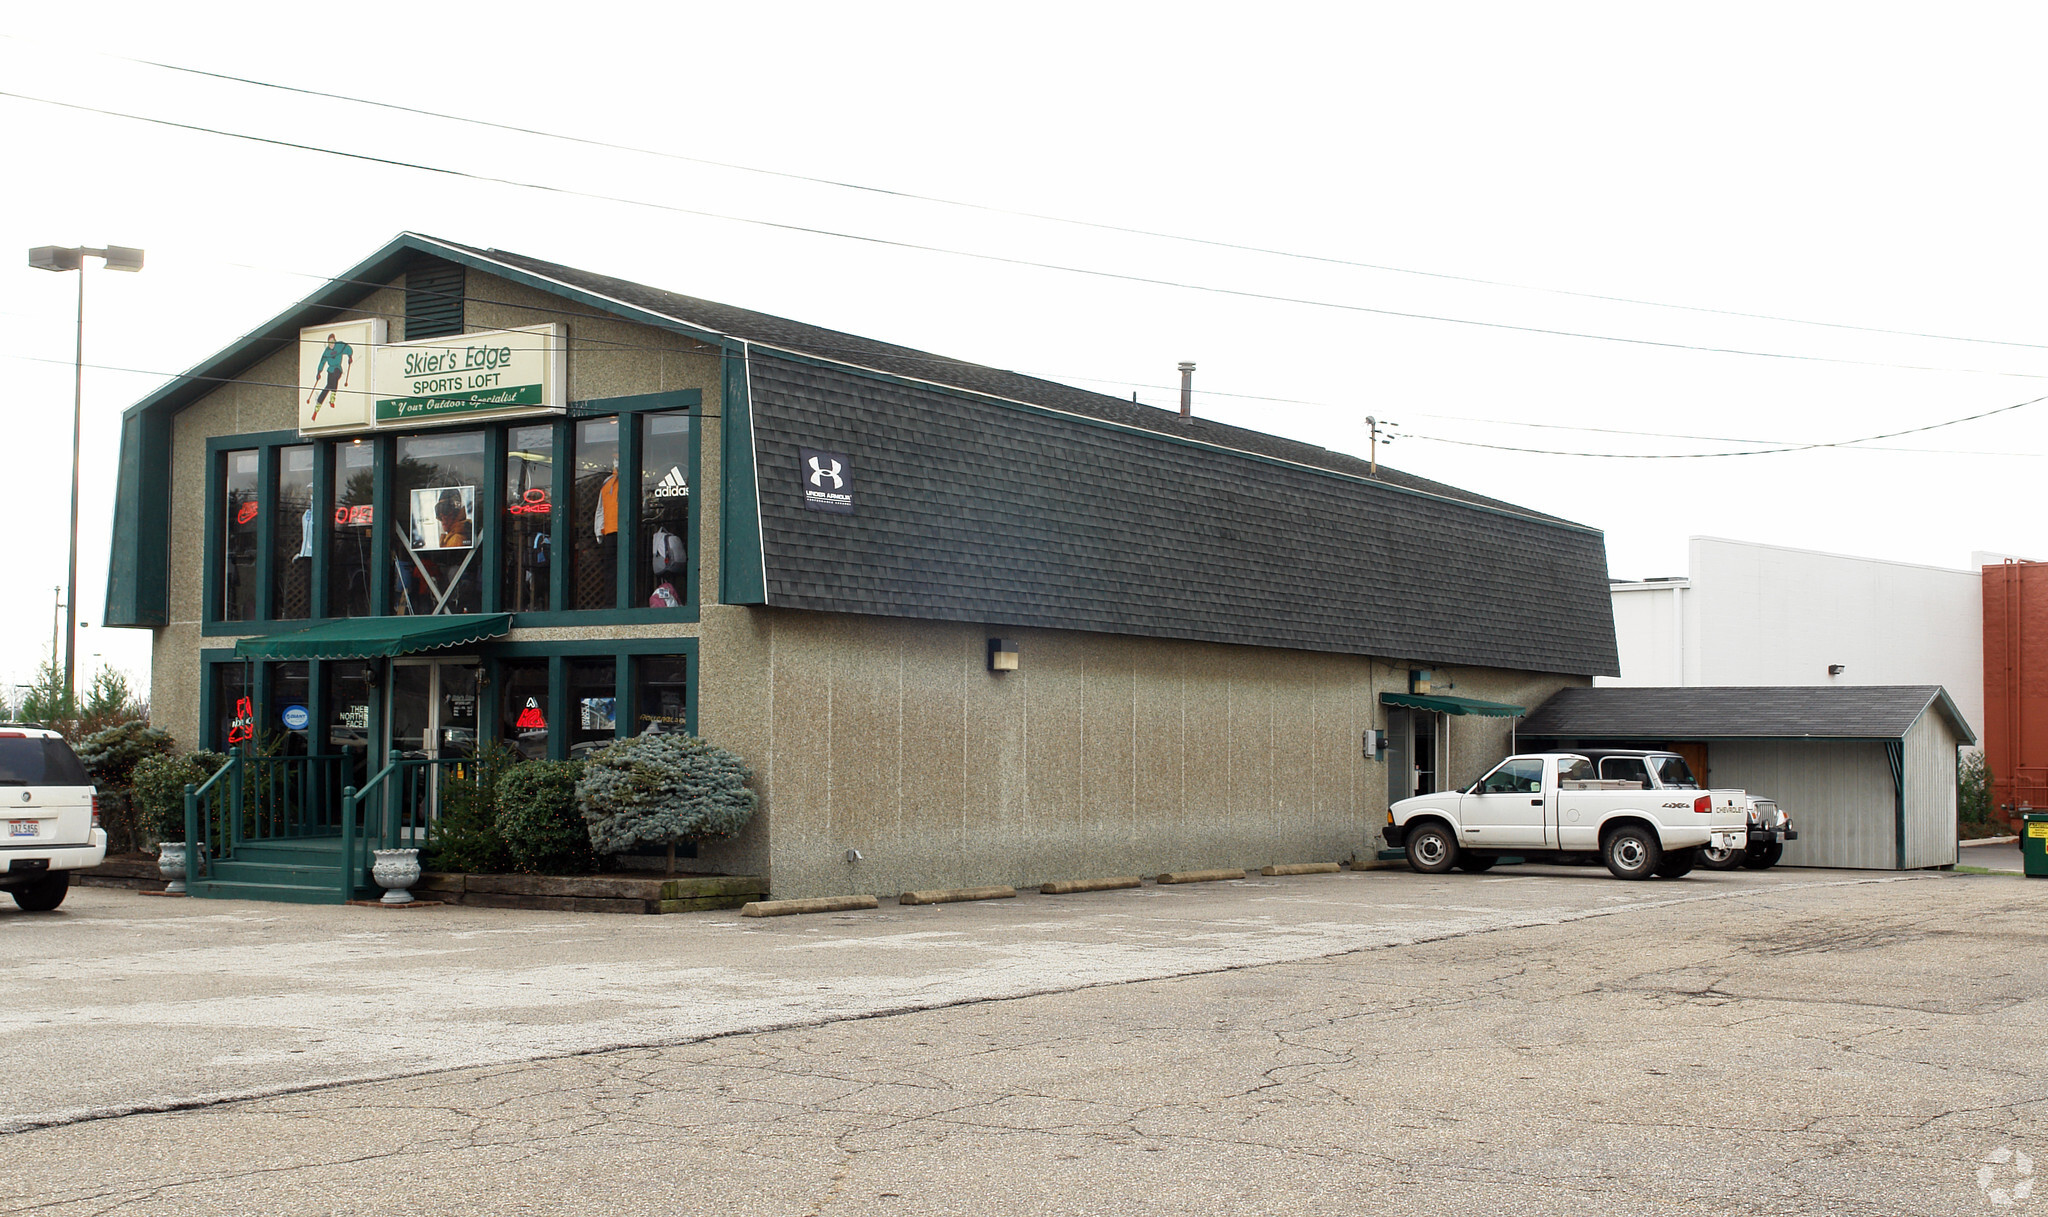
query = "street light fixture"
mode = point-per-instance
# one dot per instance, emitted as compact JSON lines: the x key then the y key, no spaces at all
{"x":61,"y":258}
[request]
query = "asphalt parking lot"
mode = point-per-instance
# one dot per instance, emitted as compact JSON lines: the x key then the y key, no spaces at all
{"x":1533,"y":1040}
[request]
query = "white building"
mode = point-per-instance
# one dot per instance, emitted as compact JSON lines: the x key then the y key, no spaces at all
{"x":1751,"y":614}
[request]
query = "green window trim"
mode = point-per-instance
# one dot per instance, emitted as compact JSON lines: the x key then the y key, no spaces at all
{"x":214,"y":624}
{"x":489,"y":654}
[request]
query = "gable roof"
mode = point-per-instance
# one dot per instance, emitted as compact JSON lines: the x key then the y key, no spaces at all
{"x":1012,"y":499}
{"x":1732,"y":712}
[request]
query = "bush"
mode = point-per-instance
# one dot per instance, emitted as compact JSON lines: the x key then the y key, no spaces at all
{"x":1973,"y":804}
{"x":660,"y":790}
{"x":110,"y":756}
{"x":157,"y":785}
{"x":466,"y":835}
{"x":539,"y":822}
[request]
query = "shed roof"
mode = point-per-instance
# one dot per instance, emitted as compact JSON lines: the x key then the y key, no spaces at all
{"x":1737,"y":712}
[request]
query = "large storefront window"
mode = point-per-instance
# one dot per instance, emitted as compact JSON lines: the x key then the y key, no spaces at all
{"x":238,"y":540}
{"x":287,"y":726}
{"x":349,"y":540}
{"x":662,"y":578}
{"x":661,"y":694}
{"x":291,"y":553}
{"x":234,"y":708}
{"x":414,"y":525}
{"x":593,"y":705}
{"x":594,"y":526}
{"x":434,"y":546}
{"x":529,"y":514}
{"x":523,"y":706}
{"x":347,"y":716}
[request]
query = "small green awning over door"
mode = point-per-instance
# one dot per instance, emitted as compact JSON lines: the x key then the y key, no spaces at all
{"x":1445,"y":704}
{"x":376,"y":637}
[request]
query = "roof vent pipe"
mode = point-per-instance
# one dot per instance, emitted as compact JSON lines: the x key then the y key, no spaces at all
{"x":1187,"y":389}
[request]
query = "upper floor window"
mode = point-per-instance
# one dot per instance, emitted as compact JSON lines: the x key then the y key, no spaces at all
{"x":238,"y":540}
{"x":434,"y":543}
{"x":524,"y":516}
{"x":662,"y":574}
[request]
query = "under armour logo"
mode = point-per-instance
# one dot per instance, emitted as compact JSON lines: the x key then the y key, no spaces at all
{"x":827,"y":468}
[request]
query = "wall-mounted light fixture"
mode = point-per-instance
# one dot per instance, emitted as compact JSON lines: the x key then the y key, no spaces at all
{"x":854,"y":855}
{"x":1002,"y":654}
{"x":1419,"y":680}
{"x":1835,"y":669}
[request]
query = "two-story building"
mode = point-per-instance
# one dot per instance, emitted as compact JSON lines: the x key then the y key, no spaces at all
{"x":968,"y":626}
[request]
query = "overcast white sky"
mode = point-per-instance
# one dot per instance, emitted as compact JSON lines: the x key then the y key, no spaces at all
{"x":1854,"y":164}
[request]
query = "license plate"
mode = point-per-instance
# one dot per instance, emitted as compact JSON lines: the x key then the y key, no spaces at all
{"x":23,"y":828}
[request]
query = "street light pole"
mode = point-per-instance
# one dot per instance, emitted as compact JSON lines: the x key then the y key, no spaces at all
{"x":59,"y":258}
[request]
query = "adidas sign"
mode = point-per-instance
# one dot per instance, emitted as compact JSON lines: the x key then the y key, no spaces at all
{"x":672,"y":485}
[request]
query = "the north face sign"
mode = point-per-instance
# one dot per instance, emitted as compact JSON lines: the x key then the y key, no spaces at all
{"x":827,"y":482}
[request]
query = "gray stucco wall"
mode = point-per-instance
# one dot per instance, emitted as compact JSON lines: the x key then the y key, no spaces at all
{"x":1101,"y":755}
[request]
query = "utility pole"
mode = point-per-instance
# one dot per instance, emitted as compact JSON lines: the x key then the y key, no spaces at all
{"x":1382,"y":433}
{"x":56,"y":620}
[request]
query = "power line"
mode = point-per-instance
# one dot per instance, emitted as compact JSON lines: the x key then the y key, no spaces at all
{"x":1681,"y":456}
{"x":1000,"y":259}
{"x":1045,"y":217}
{"x":1862,"y":444}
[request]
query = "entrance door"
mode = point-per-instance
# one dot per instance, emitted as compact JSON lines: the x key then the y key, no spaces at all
{"x":433,"y":718}
{"x":433,"y":708}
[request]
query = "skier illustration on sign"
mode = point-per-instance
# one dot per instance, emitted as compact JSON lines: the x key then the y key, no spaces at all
{"x":336,"y":362}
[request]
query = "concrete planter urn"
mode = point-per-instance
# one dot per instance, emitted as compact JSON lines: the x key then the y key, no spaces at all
{"x":170,"y":861}
{"x":396,"y":870}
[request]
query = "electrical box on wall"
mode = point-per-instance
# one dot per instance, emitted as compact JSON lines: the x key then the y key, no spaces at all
{"x":1375,"y":744}
{"x":1419,"y":680}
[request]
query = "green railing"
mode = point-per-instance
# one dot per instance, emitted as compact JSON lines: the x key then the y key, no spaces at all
{"x":209,"y":807}
{"x":256,"y":799}
{"x":400,"y":807}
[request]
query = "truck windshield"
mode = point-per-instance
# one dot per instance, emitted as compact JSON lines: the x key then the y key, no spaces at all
{"x":1673,"y":774}
{"x":26,"y":761}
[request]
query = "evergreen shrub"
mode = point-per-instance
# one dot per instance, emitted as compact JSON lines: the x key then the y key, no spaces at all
{"x":662,"y":790}
{"x":157,"y":784}
{"x":466,"y":837}
{"x":539,"y":822}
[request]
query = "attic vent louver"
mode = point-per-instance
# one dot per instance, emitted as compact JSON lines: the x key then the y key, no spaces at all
{"x":433,"y":299}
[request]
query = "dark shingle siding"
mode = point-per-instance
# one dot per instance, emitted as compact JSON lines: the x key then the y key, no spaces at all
{"x":969,"y":510}
{"x":1733,"y":712}
{"x":923,"y":365}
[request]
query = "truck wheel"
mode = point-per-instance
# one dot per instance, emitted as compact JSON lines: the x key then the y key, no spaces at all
{"x":1763,"y":857}
{"x":1432,"y":849}
{"x":44,"y":894}
{"x":1715,"y":858}
{"x":1679,"y":864}
{"x":1473,"y":864}
{"x":1631,"y":852}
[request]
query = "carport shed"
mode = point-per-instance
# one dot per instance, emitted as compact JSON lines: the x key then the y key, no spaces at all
{"x":1868,"y":773}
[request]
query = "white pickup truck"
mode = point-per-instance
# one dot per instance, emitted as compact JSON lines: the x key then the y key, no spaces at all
{"x":1556,"y":805}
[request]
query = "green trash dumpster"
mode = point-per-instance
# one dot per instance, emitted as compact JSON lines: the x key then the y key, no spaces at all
{"x":2034,"y":844}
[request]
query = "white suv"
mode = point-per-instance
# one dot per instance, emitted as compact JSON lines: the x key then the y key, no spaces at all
{"x":49,"y":817}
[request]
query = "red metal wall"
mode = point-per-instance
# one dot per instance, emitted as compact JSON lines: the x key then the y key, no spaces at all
{"x":2016,"y":684}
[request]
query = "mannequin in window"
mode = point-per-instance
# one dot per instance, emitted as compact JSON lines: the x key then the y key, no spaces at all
{"x":605,"y":524}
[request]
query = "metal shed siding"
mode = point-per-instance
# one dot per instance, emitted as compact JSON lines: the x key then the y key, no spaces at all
{"x":1931,"y":792}
{"x":1839,"y":794}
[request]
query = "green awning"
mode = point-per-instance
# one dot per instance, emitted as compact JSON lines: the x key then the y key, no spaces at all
{"x":376,"y":637}
{"x":1445,"y":704}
